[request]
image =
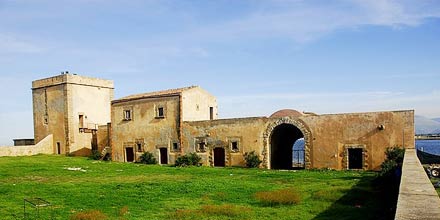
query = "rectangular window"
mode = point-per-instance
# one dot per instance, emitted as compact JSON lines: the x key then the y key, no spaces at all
{"x":200,"y":144}
{"x":234,"y":146}
{"x":81,"y":121}
{"x":175,"y":146}
{"x":160,"y":112}
{"x":127,"y":115}
{"x":139,"y":147}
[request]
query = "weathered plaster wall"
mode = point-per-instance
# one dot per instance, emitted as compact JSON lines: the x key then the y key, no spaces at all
{"x":94,"y":104}
{"x":43,"y":147}
{"x":48,"y":112}
{"x":145,"y":127}
{"x":218,"y":133}
{"x":196,"y":103}
{"x":60,"y":99}
{"x":327,"y":140}
{"x":332,"y":134}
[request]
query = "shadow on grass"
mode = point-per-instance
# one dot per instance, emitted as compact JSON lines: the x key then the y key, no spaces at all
{"x":371,"y":198}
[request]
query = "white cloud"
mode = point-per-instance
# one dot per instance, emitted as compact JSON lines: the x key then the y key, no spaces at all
{"x":304,"y":21}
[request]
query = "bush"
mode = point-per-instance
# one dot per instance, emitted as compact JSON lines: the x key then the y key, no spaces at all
{"x":191,"y":159}
{"x":393,"y":162}
{"x":96,"y":155}
{"x":147,"y":158}
{"x":252,"y":159}
{"x":278,"y":197}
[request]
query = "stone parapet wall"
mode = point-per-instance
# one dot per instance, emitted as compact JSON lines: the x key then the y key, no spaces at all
{"x":417,"y":196}
{"x":72,"y":79}
{"x":45,"y":146}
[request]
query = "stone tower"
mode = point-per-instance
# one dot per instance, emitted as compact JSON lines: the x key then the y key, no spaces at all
{"x":70,"y":107}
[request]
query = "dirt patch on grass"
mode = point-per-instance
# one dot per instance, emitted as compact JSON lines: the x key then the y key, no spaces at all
{"x":226,"y":210}
{"x":89,"y":215}
{"x":278,"y":197}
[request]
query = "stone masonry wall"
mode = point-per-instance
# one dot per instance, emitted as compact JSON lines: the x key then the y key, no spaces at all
{"x":43,"y":147}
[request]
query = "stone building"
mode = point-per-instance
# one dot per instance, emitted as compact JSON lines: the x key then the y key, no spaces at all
{"x":70,"y":107}
{"x":153,"y":122}
{"x":78,"y":114}
{"x":175,"y":122}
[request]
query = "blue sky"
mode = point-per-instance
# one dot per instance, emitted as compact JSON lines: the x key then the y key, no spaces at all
{"x":256,"y":56}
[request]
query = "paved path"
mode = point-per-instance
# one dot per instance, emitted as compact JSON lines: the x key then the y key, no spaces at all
{"x":417,"y":197}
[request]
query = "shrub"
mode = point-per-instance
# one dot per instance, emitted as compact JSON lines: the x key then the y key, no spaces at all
{"x":147,"y":158}
{"x":278,"y":197}
{"x":393,"y":161}
{"x":89,"y":215}
{"x":252,"y":159}
{"x":191,"y":159}
{"x":96,"y":155}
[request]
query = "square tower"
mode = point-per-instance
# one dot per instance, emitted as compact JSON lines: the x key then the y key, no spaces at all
{"x":70,"y":107}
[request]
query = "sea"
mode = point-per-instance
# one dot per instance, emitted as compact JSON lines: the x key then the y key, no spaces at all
{"x":429,"y":146}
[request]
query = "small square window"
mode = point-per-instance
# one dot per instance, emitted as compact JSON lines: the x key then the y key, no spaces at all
{"x":127,"y":115}
{"x":175,"y":146}
{"x":160,"y":112}
{"x":201,"y":146}
{"x":234,"y":146}
{"x":139,"y":147}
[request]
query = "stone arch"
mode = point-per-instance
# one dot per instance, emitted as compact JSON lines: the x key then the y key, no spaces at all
{"x":298,"y":124}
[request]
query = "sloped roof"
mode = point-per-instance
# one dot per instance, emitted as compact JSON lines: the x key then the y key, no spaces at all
{"x":156,"y":94}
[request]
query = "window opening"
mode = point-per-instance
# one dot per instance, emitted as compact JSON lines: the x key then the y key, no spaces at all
{"x":234,"y":146}
{"x":127,"y":115}
{"x":160,"y":112}
{"x":139,"y":147}
{"x":175,"y":146}
{"x":81,"y":121}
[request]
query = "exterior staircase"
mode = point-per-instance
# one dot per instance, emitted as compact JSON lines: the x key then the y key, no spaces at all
{"x":105,"y":151}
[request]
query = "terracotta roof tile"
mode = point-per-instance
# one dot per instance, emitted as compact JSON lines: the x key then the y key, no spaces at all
{"x":162,"y":93}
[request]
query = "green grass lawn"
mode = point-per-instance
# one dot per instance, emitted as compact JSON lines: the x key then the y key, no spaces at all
{"x":134,"y":191}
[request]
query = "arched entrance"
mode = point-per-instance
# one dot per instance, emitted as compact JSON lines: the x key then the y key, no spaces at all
{"x":219,"y":157}
{"x":281,"y":146}
{"x":292,"y":129}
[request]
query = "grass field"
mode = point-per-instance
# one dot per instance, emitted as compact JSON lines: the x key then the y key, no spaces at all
{"x":134,"y":191}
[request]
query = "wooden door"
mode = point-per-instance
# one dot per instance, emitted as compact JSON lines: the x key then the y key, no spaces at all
{"x":219,"y":157}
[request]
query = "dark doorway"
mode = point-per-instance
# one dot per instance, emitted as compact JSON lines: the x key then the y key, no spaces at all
{"x":211,"y":113}
{"x":58,"y":148}
{"x":355,"y":158}
{"x":219,"y":157}
{"x":129,"y":154}
{"x":281,"y":144}
{"x":163,"y":155}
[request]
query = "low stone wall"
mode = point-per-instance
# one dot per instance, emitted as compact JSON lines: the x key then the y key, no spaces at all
{"x":45,"y":146}
{"x":417,"y":196}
